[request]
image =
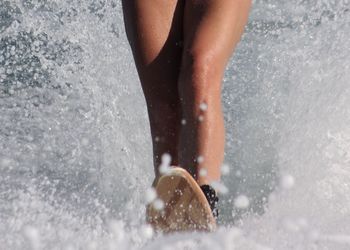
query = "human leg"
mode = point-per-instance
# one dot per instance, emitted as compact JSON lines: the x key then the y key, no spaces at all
{"x":211,"y":31}
{"x":154,"y":29}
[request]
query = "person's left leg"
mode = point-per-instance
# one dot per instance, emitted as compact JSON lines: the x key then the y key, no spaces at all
{"x":211,"y":31}
{"x":154,"y":29}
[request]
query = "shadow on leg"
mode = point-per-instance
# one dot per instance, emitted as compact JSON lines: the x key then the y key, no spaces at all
{"x":154,"y":30}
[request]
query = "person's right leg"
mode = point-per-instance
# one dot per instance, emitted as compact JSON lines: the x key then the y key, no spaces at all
{"x":154,"y":29}
{"x":212,"y":28}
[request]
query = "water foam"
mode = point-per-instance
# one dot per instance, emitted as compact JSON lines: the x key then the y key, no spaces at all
{"x":75,"y":149}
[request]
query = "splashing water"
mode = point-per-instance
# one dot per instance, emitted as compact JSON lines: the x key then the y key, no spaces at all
{"x":75,"y":149}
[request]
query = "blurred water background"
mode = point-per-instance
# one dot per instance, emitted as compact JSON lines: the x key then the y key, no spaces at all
{"x":75,"y":149}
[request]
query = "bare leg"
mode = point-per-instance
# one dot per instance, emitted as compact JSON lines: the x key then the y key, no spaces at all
{"x":155,"y":29}
{"x":211,"y":31}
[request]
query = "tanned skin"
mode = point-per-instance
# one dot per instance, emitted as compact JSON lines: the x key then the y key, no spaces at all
{"x":181,"y":48}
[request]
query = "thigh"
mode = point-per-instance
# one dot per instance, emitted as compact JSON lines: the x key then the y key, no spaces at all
{"x":212,"y":28}
{"x":154,"y":29}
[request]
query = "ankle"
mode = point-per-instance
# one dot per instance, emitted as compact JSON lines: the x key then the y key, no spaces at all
{"x":212,"y":198}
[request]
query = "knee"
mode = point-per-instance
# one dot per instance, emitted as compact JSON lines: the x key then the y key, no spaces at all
{"x":197,"y":65}
{"x":200,"y":77}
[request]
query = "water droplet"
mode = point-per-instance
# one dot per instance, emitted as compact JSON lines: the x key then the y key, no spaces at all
{"x":200,"y":159}
{"x":164,"y":167}
{"x":166,"y":159}
{"x":203,"y":106}
{"x":150,"y":195}
{"x":219,"y":187}
{"x":241,"y":202}
{"x":158,"y":204}
{"x":147,"y":231}
{"x":183,"y":122}
{"x":225,"y":169}
{"x":287,"y":181}
{"x":203,"y":172}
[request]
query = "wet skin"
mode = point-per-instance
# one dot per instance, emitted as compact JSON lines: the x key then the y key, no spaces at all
{"x":181,"y":49}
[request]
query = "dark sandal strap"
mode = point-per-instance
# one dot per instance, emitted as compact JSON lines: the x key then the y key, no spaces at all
{"x":212,"y":198}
